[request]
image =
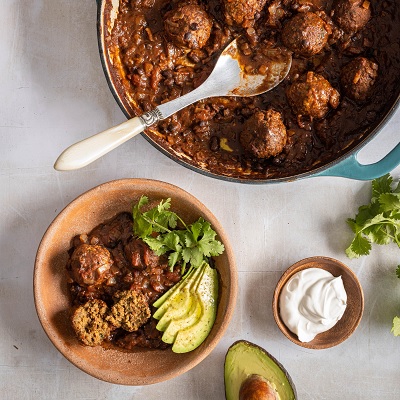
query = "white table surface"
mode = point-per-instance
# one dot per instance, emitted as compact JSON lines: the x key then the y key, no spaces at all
{"x":53,"y":93}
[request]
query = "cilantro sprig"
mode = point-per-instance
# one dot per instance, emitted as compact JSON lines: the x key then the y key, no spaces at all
{"x":158,"y":227}
{"x":378,"y":222}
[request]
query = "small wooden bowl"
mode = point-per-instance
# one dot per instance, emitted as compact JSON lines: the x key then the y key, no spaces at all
{"x":352,"y":315}
{"x":140,"y":366}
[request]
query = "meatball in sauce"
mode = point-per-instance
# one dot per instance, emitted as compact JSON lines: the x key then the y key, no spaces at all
{"x":242,"y":12}
{"x":358,"y":77}
{"x":264,"y":134}
{"x":90,"y":264}
{"x":306,"y":34}
{"x":312,"y":96}
{"x":351,"y":15}
{"x":188,"y":26}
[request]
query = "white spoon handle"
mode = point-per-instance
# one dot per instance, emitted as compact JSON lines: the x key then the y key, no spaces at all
{"x":88,"y":150}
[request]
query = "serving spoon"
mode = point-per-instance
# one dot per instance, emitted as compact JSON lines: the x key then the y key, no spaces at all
{"x":233,"y":75}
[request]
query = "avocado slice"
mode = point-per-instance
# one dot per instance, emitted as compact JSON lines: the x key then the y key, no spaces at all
{"x":176,"y":308}
{"x":174,"y":288}
{"x":189,"y":338}
{"x":176,"y":324}
{"x":244,"y":359}
{"x":164,"y":303}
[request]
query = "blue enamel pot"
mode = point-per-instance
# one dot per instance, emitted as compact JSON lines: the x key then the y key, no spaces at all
{"x":345,"y":165}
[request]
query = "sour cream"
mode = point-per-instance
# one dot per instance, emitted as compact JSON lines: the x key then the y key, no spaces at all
{"x":312,"y":302}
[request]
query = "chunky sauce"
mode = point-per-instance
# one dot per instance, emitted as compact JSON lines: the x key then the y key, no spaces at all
{"x":110,"y":260}
{"x":153,"y":70}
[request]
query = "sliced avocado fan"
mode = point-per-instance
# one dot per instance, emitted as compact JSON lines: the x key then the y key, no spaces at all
{"x":187,"y":312}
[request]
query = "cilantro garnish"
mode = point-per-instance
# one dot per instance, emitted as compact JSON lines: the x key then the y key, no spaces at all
{"x":378,"y":222}
{"x":158,"y":227}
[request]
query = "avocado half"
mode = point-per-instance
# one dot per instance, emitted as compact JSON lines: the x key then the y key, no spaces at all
{"x":244,"y":359}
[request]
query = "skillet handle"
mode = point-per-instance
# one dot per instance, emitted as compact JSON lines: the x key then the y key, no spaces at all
{"x":352,"y":169}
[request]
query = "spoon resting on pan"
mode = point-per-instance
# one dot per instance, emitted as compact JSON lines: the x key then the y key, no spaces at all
{"x":233,"y":75}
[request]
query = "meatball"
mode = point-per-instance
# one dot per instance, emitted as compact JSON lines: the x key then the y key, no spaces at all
{"x":312,"y":95}
{"x":188,"y":26}
{"x":351,"y":15}
{"x":90,"y":264}
{"x":89,"y":324}
{"x":242,"y":12}
{"x":264,"y":134}
{"x":358,"y":77}
{"x":305,"y":34}
{"x":130,"y":310}
{"x":111,"y":232}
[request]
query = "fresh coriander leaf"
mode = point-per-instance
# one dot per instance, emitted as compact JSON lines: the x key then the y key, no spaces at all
{"x":192,"y":245}
{"x":360,"y":246}
{"x":389,"y":201}
{"x":173,"y":258}
{"x":156,"y":245}
{"x":197,"y":228}
{"x":193,"y":256}
{"x":378,"y":234}
{"x":365,"y":213}
{"x":396,"y":326}
{"x":172,"y":241}
{"x":141,"y":227}
{"x":381,"y":185}
{"x":353,"y":225}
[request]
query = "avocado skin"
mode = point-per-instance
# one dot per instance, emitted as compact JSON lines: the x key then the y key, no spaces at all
{"x":243,"y":359}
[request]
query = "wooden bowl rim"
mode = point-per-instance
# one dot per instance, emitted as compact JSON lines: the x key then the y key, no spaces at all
{"x":231,"y":287}
{"x":326,"y":263}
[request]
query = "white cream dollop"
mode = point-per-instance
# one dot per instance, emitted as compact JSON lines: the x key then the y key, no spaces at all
{"x":312,"y":302}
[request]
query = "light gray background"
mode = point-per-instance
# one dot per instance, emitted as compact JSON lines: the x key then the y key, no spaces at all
{"x":53,"y":93}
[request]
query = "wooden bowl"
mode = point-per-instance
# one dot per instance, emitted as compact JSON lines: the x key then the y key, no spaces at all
{"x":352,"y":315}
{"x":141,"y":366}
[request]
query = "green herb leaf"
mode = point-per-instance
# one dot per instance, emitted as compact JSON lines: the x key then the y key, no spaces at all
{"x":377,"y":222}
{"x":157,"y":227}
{"x":396,"y":326}
{"x":381,"y":185}
{"x":360,"y":246}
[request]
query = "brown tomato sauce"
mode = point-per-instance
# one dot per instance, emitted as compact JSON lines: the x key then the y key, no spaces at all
{"x":156,"y":70}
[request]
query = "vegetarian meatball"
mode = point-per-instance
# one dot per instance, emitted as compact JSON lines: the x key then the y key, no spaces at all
{"x":264,"y":134}
{"x":312,"y":95}
{"x":90,"y":264}
{"x":351,"y":15}
{"x":358,"y":77}
{"x":305,"y":34}
{"x":130,"y":310}
{"x":89,"y":324}
{"x":242,"y":12}
{"x":188,"y":26}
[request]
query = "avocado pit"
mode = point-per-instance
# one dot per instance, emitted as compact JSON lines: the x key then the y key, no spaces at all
{"x":256,"y":387}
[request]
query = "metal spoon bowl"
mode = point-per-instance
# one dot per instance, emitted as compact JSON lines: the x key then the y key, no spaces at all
{"x":233,"y":75}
